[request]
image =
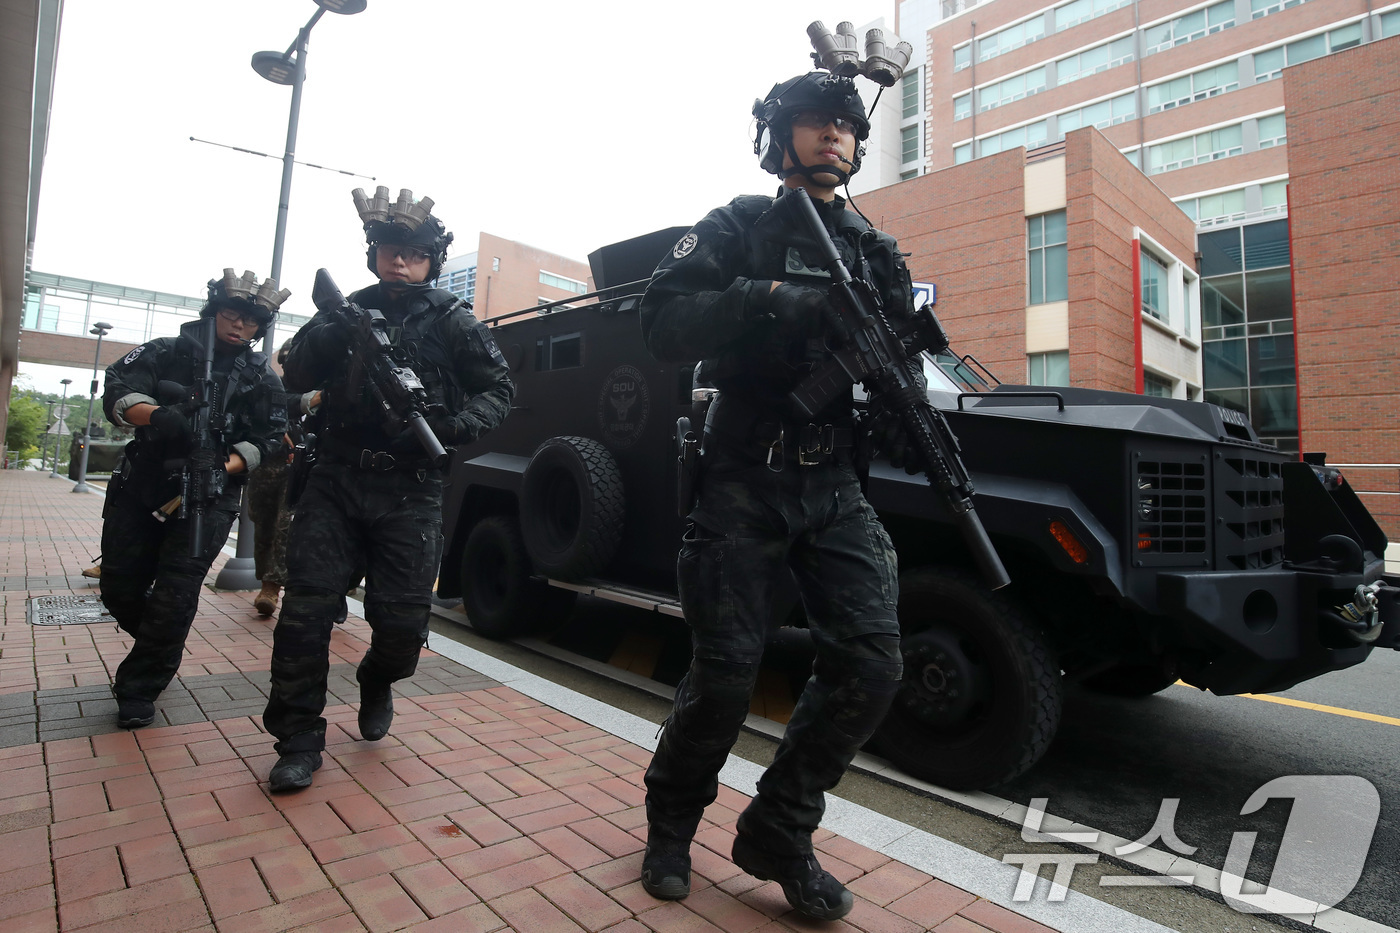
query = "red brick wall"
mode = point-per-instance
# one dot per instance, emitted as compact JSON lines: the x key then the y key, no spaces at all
{"x":1344,"y":207}
{"x":965,"y":228}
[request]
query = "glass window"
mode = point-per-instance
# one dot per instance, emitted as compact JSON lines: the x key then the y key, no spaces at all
{"x":1012,"y":89}
{"x":1157,"y":386}
{"x":1205,"y":147}
{"x":1269,"y":295}
{"x":1192,"y":87}
{"x":1266,"y":245}
{"x":1048,"y":260}
{"x":912,"y":173}
{"x":1390,"y":24}
{"x":1258,"y":8}
{"x":962,"y":106}
{"x":1013,"y":37}
{"x":1224,"y":364}
{"x":1191,"y":26}
{"x":1221,"y":252}
{"x":1222,"y":302}
{"x":1272,"y":131}
{"x":1048,"y":369}
{"x":1029,"y":136}
{"x":909,"y":143}
{"x":1268,"y":64}
{"x":563,"y":351}
{"x":962,"y":153}
{"x":1154,"y":287}
{"x":962,"y":57}
{"x":1271,"y":361}
{"x":1103,"y":114}
{"x":559,"y":281}
{"x":1305,"y":50}
{"x":1092,"y":61}
{"x":1220,"y":208}
{"x":1275,"y":410}
{"x":1078,"y":11}
{"x":1344,"y":37}
{"x":910,"y":86}
{"x":1274,"y":196}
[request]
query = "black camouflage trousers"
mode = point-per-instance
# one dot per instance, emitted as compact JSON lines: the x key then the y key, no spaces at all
{"x":141,"y":554}
{"x":750,"y":527}
{"x":388,"y":524}
{"x":267,"y":508}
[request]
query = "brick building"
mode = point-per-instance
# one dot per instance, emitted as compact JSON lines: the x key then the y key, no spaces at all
{"x":504,"y":275}
{"x":1344,"y":203}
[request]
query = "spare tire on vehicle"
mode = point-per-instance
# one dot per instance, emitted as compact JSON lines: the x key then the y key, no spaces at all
{"x":572,"y":507}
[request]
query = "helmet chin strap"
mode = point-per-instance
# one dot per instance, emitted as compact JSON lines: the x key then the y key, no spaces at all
{"x":808,"y":171}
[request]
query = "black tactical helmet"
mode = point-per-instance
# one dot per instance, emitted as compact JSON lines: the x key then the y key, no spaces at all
{"x":404,"y":222}
{"x":246,"y":296}
{"x":817,"y":90}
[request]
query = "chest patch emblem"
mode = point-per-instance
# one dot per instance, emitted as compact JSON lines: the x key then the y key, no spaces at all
{"x":796,"y":265}
{"x":686,"y":246}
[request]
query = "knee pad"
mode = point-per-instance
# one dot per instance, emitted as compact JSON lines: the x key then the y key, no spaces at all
{"x":869,"y":675}
{"x":304,"y":626}
{"x":715,"y":698}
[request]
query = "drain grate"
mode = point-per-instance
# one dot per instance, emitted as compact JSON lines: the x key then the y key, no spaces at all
{"x":67,"y":610}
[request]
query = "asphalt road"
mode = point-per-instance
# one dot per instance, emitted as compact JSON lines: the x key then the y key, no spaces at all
{"x":1110,"y":768}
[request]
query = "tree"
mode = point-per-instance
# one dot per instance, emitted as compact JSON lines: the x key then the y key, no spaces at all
{"x":27,"y":420}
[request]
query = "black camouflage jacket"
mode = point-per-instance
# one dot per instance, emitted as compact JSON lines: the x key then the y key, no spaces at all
{"x":708,"y":297}
{"x":246,"y":388}
{"x":452,"y":353}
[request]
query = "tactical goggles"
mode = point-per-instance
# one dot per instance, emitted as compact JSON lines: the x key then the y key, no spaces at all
{"x":234,"y":316}
{"x":821,"y":119}
{"x":408,"y":254}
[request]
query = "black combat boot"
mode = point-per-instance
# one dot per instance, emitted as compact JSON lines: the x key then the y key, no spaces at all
{"x":666,"y":867}
{"x":376,"y":711}
{"x":133,"y":713}
{"x":293,"y":771}
{"x":810,"y":890}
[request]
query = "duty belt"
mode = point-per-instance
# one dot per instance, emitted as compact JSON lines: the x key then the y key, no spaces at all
{"x":778,"y":441}
{"x":364,"y":458}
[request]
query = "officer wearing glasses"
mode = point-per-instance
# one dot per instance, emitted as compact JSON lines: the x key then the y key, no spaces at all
{"x":150,"y":583}
{"x":373,"y":503}
{"x":744,"y":292}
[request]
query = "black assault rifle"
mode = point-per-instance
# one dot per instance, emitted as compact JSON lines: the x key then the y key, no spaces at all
{"x":203,"y":478}
{"x":396,"y":388}
{"x":873,"y":353}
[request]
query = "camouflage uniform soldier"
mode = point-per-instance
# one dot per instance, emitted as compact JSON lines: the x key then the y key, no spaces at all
{"x":743,"y":292}
{"x":372,"y":501}
{"x":150,"y":584}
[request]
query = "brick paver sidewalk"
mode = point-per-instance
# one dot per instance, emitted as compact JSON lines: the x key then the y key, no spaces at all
{"x":484,"y":810}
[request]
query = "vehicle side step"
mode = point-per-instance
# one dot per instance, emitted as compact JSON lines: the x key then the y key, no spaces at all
{"x":656,"y":601}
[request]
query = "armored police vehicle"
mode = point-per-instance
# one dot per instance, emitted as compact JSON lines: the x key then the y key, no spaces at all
{"x":1148,"y":539}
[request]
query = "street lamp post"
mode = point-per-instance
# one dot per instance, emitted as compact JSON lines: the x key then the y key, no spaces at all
{"x":62,"y":412}
{"x":44,"y":444}
{"x":283,"y":68}
{"x":100,"y":329}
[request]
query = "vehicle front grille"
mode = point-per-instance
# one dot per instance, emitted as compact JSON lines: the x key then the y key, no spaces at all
{"x":1249,"y":506}
{"x":1171,"y":522}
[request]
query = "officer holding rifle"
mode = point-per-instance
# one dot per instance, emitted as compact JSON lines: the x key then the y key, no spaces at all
{"x":745,"y":291}
{"x":207,"y":409}
{"x":405,"y":370}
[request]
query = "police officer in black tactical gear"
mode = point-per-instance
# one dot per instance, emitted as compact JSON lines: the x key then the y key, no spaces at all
{"x":149,"y":581}
{"x":743,"y":292}
{"x":373,"y":502}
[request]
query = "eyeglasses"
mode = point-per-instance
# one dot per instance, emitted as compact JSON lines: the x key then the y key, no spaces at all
{"x":234,"y":316}
{"x":408,"y":254}
{"x":821,"y":119}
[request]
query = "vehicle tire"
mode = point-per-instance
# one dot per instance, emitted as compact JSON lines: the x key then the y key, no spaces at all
{"x":1130,"y":680}
{"x":572,"y":507}
{"x":498,"y":595}
{"x":980,"y":700}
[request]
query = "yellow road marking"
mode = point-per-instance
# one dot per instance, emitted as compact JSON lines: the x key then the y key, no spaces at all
{"x":1304,"y":704}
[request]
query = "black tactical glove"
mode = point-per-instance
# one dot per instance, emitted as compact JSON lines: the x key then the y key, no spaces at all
{"x":170,"y":424}
{"x":333,"y":337}
{"x":798,"y":309}
{"x":892,"y":441}
{"x":453,"y":429}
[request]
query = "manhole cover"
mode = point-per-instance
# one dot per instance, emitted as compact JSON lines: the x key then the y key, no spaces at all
{"x":67,"y":610}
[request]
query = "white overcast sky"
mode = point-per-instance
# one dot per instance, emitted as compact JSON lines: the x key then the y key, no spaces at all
{"x":561,"y":124}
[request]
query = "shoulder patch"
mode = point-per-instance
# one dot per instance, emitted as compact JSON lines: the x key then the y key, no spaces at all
{"x":131,"y":357}
{"x":686,"y":246}
{"x":487,"y":342}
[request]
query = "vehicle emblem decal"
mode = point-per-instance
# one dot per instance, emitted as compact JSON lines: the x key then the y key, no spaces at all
{"x":624,"y":404}
{"x":686,"y":246}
